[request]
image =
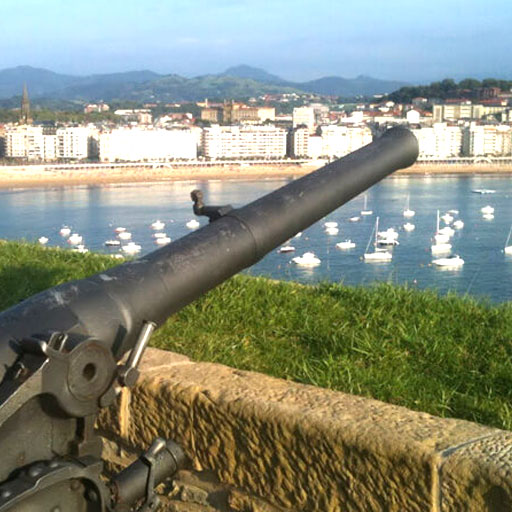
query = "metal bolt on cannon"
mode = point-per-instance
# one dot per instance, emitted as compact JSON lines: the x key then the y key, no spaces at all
{"x":61,"y":350}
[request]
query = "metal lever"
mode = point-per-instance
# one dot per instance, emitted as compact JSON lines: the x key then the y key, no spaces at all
{"x":129,"y":373}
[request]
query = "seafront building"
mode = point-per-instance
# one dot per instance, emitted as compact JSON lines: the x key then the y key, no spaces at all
{"x":224,"y":142}
{"x":143,"y":145}
{"x":331,"y":141}
{"x":440,"y":141}
{"x":41,"y":143}
{"x":487,"y":140}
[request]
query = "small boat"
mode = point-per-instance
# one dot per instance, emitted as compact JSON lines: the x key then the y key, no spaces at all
{"x":407,"y":211}
{"x":454,"y":212}
{"x":42,"y":240}
{"x":131,"y":248}
{"x":164,"y":240}
{"x":508,"y":248}
{"x":330,"y":224}
{"x":388,"y":241}
{"x":298,"y":235}
{"x":488,"y":216}
{"x":365,"y":210}
{"x":112,"y":243}
{"x":447,"y":230}
{"x":158,"y":225}
{"x":192,"y":224}
{"x":80,"y":248}
{"x":286,"y":248}
{"x":440,"y":238}
{"x":125,"y":235}
{"x":377,"y":255}
{"x":120,"y":230}
{"x":346,"y":244}
{"x":390,"y":234}
{"x":409,"y":227}
{"x":441,"y":248}
{"x":454,"y":261}
{"x":447,"y":218}
{"x":332,"y":231}
{"x":483,"y":191}
{"x":458,"y":224}
{"x":65,"y":231}
{"x":487,"y":209}
{"x":354,"y":219}
{"x":159,"y":235}
{"x":308,"y":259}
{"x":75,"y":239}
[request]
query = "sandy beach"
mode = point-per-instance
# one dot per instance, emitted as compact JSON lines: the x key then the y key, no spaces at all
{"x":35,"y":177}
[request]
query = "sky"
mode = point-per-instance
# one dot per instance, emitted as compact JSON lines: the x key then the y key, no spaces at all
{"x":415,"y":41}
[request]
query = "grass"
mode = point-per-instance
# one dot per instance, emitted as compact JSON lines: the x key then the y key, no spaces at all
{"x":448,"y":356}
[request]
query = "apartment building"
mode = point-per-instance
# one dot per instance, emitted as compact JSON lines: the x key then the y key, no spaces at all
{"x":72,"y":142}
{"x":244,"y":142}
{"x":333,"y":141}
{"x":453,"y":111}
{"x":46,"y":143}
{"x":487,"y":140}
{"x":338,"y":141}
{"x":304,"y":116}
{"x":439,"y":141}
{"x":143,"y":145}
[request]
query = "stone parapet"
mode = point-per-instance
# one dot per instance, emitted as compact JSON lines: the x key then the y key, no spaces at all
{"x":267,"y":444}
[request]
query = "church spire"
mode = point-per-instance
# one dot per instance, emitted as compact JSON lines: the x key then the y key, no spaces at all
{"x":25,"y":107}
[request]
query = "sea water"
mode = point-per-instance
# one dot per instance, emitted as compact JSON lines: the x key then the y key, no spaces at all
{"x":95,"y":211}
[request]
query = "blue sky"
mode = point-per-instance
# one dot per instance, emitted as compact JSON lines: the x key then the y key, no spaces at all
{"x":416,"y":41}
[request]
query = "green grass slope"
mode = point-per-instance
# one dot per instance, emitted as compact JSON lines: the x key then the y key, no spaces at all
{"x":448,"y":356}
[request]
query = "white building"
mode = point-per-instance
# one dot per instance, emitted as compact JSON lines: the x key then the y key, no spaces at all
{"x":304,"y":116}
{"x":72,"y":142}
{"x":338,"y":141}
{"x":139,"y":145}
{"x":244,"y":142}
{"x":440,"y":141}
{"x":487,"y":140}
{"x":41,"y":143}
{"x":299,"y":146}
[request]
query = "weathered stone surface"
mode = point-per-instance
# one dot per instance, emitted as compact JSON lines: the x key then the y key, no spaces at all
{"x":298,"y":447}
{"x":478,"y":476}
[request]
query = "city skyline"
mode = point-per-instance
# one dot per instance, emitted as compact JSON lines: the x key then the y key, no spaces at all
{"x":297,"y":40}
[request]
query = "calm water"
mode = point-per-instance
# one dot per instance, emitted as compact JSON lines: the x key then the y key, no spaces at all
{"x":94,"y":212}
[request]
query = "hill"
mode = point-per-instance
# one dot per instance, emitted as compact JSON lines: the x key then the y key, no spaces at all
{"x":236,"y":82}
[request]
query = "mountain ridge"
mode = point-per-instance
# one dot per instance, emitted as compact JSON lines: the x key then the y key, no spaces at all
{"x":145,"y":85}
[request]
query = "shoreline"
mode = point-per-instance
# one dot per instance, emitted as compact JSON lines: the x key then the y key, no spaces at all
{"x":29,"y":178}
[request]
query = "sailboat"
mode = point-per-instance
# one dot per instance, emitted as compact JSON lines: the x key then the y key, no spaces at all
{"x":378,"y":254}
{"x":441,"y":240}
{"x":508,"y":248}
{"x":364,"y":211}
{"x":407,"y":211}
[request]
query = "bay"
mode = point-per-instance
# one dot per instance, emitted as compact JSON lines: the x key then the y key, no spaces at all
{"x":94,"y":212}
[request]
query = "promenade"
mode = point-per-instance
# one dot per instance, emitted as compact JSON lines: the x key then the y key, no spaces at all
{"x":42,"y":175}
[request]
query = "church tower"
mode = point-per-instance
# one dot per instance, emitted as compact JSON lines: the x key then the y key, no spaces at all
{"x":25,"y":107}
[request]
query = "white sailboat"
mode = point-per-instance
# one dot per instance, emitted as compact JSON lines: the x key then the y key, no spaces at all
{"x":378,"y":254}
{"x":441,"y":244}
{"x":407,"y":211}
{"x":365,"y":211}
{"x":508,"y":248}
{"x":454,"y":261}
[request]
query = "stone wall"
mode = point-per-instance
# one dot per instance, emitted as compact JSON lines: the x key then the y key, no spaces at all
{"x":257,"y":443}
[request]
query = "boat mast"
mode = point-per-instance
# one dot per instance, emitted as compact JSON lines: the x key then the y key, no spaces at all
{"x":508,"y":237}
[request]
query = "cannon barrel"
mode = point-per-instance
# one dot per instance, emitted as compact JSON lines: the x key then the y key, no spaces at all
{"x":111,"y":306}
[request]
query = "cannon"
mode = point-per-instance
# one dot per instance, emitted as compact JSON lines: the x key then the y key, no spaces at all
{"x":66,"y":352}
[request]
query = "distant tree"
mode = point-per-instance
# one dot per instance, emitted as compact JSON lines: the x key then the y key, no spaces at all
{"x":470,"y":83}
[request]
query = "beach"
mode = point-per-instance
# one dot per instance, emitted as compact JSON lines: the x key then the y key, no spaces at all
{"x":35,"y":176}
